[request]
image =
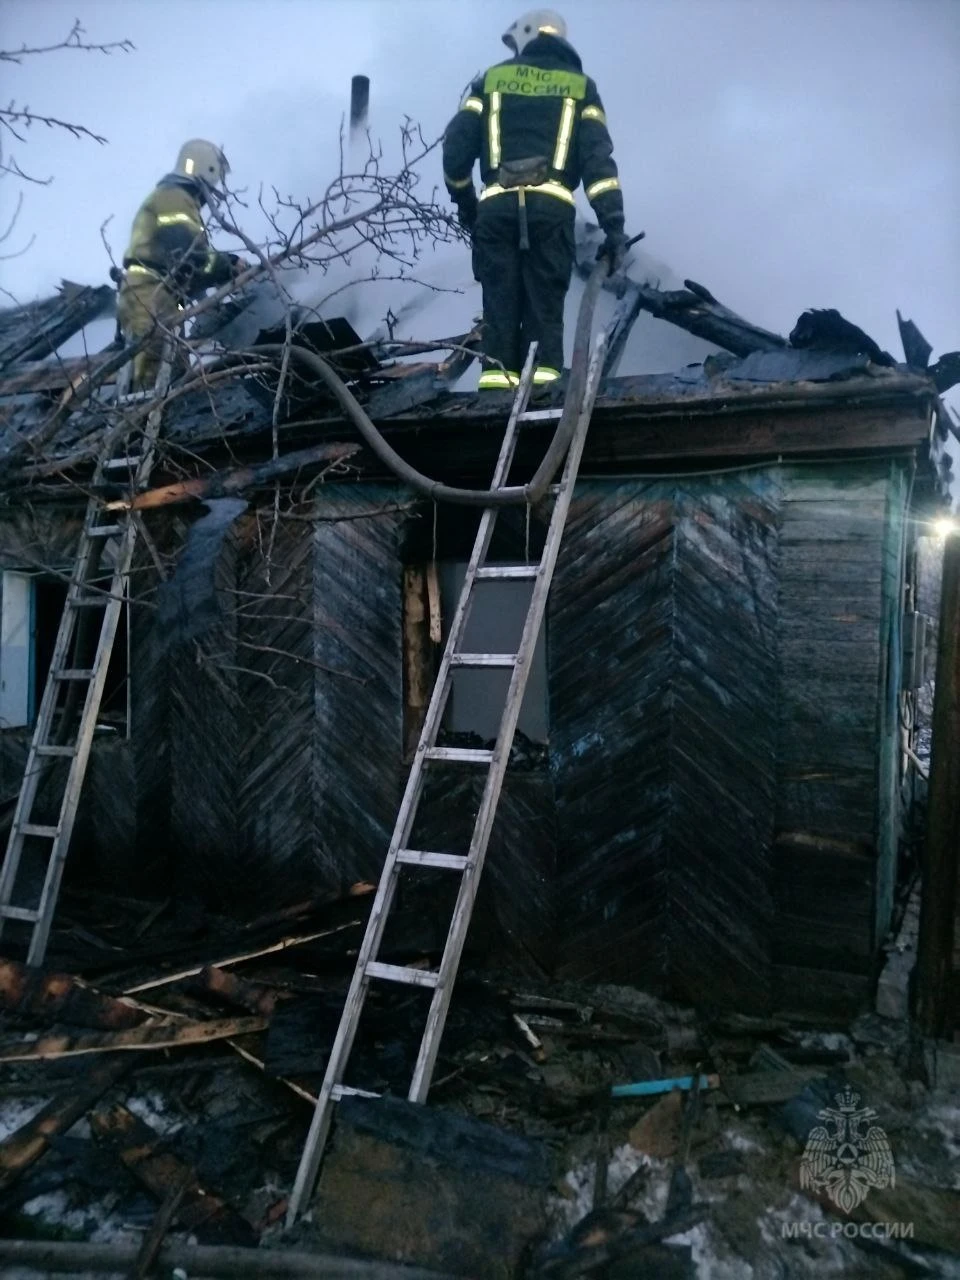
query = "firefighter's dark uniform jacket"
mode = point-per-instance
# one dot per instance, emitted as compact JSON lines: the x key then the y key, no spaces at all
{"x":537,"y":105}
{"x":168,"y":261}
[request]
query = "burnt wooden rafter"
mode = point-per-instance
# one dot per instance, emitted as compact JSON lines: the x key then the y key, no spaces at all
{"x":693,"y":308}
{"x":34,"y":332}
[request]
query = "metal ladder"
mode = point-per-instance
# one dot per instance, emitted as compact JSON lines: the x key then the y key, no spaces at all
{"x":469,"y":865}
{"x":47,"y":743}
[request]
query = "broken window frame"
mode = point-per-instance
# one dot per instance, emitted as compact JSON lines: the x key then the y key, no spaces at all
{"x":25,"y":627}
{"x":426,"y":613}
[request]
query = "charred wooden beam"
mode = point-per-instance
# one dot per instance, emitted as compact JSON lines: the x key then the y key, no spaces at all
{"x":59,"y":1257}
{"x":24,"y":1147}
{"x":708,"y":320}
{"x":916,"y":349}
{"x":601,"y":1240}
{"x":939,"y":900}
{"x":140,"y":1149}
{"x":946,"y":372}
{"x":55,"y":320}
{"x":235,"y":991}
{"x":153,"y":1240}
{"x":223,"y":483}
{"x":418,"y":654}
{"x":695,"y":310}
{"x":59,"y":997}
{"x":53,"y":377}
{"x":256,"y":953}
{"x":151,"y":1035}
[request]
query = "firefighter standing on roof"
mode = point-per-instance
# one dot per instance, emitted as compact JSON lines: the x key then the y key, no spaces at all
{"x":169,"y":260}
{"x":537,"y":126}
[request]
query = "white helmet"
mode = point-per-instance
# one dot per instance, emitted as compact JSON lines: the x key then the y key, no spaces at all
{"x":203,"y":160}
{"x":538,"y":22}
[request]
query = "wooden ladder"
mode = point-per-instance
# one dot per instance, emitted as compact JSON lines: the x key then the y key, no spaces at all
{"x":470,"y":865}
{"x":101,"y":529}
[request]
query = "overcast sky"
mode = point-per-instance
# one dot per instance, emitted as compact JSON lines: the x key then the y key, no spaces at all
{"x":785,"y":153}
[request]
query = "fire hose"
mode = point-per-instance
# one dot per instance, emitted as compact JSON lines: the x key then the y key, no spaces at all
{"x":516,"y":495}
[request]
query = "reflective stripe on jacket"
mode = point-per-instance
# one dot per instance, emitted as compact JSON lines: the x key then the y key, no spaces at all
{"x":169,"y":238}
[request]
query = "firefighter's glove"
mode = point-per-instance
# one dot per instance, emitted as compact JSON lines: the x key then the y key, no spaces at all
{"x":614,"y":249}
{"x":467,"y":206}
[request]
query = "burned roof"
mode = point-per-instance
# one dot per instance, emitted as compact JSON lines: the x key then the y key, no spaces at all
{"x":850,"y":396}
{"x":35,"y":331}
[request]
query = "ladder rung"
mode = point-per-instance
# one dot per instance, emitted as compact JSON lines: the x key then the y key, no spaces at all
{"x":38,"y":829}
{"x":73,"y":673}
{"x":540,"y":415}
{"x":92,"y":602}
{"x":45,"y":749}
{"x":525,"y":572}
{"x":347,"y":1091}
{"x":400,"y":973}
{"x":483,"y":660}
{"x":444,"y":861}
{"x":462,"y":755}
{"x":105,"y":530}
{"x":19,"y":913}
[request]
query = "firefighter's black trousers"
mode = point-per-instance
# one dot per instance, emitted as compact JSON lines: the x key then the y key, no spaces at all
{"x":523,"y":289}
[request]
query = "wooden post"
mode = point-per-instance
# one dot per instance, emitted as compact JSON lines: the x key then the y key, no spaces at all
{"x":938,"y":909}
{"x":417,"y":656}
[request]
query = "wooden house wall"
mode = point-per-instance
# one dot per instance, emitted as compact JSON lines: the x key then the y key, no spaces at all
{"x":719,"y":818}
{"x":275,"y":687}
{"x":663,"y":689}
{"x":358,"y":692}
{"x":204,"y":727}
{"x":839,"y":575}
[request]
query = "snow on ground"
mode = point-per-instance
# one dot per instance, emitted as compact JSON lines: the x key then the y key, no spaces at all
{"x":95,"y":1221}
{"x":786,"y":1236}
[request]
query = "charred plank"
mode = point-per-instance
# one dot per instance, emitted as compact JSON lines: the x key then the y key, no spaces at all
{"x":60,"y":997}
{"x":140,"y":1149}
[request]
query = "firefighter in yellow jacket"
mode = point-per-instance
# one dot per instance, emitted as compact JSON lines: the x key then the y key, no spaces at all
{"x":169,"y":260}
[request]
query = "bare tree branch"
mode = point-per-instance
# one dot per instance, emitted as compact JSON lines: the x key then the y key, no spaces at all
{"x":17,"y":119}
{"x":75,"y":40}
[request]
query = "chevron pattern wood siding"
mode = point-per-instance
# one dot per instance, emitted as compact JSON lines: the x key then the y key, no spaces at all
{"x":358,"y":692}
{"x":516,"y":907}
{"x":149,"y":743}
{"x":663,"y":694}
{"x":204,"y":725}
{"x":275,"y":685}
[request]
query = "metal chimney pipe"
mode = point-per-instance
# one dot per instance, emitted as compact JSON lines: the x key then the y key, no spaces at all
{"x":359,"y":104}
